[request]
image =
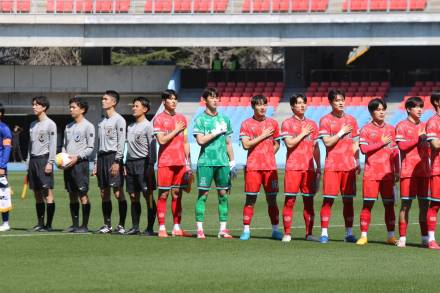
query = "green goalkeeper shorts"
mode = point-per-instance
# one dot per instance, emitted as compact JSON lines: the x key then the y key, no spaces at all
{"x":220,"y":174}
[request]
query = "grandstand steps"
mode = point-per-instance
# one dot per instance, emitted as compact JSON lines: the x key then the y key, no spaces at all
{"x":335,"y":6}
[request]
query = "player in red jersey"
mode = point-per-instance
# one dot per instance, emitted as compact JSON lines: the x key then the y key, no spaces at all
{"x":378,"y":142}
{"x":300,"y":136}
{"x":260,"y":136}
{"x":339,"y":132}
{"x":415,"y":170}
{"x":433,"y":136}
{"x":174,"y":162}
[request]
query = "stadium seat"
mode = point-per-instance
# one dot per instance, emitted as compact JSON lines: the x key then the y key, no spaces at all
{"x":7,"y":5}
{"x":84,"y":6}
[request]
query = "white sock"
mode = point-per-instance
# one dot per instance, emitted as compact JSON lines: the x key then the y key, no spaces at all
{"x":402,"y":238}
{"x":274,"y":227}
{"x":425,"y":238}
{"x":162,"y":227}
{"x":390,"y":234}
{"x":246,"y":228}
{"x":222,"y":226}
{"x":176,"y":227}
{"x":324,"y":232}
{"x":431,"y":236}
{"x":6,"y":223}
{"x":364,"y":234}
{"x":348,"y":231}
{"x":199,"y":226}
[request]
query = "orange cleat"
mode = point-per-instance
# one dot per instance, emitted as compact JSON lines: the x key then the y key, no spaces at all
{"x":224,"y":234}
{"x":162,"y":234}
{"x":181,"y":233}
{"x":433,"y":245}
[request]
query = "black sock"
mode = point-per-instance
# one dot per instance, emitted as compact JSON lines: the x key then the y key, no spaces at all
{"x":74,"y":213}
{"x":135,"y":213}
{"x":122,"y":212}
{"x":40,"y":207}
{"x":107,"y":212}
{"x":151,"y":215}
{"x":50,"y":213}
{"x":85,"y":214}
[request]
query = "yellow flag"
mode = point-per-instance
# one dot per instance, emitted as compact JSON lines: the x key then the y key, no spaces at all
{"x":356,"y":53}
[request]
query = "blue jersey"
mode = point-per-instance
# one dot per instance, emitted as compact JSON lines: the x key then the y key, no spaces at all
{"x":5,"y":145}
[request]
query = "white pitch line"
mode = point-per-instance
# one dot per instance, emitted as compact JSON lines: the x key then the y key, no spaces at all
{"x":32,"y":234}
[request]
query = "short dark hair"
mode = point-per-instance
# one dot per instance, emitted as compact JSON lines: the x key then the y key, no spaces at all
{"x":166,"y":94}
{"x":435,"y":97}
{"x":114,"y":94}
{"x":294,"y":99}
{"x":258,"y":99}
{"x":332,"y":94}
{"x":375,"y":103}
{"x":2,"y":109}
{"x":42,"y":101}
{"x":144,"y":102}
{"x":209,"y":92}
{"x":80,"y":102}
{"x":413,"y":102}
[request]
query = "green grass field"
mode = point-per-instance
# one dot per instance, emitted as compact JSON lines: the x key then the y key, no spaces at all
{"x":59,"y":262}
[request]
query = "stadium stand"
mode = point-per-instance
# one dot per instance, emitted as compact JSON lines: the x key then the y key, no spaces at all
{"x":86,"y":6}
{"x":186,"y":6}
{"x":19,"y":6}
{"x":383,"y":5}
{"x":265,"y":6}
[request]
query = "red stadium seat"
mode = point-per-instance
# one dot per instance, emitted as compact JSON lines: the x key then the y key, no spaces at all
{"x":84,"y":6}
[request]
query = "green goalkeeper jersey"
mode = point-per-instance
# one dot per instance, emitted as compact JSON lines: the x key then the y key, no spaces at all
{"x":214,"y":153}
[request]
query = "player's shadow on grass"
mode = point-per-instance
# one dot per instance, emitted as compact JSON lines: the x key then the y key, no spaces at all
{"x":29,"y":230}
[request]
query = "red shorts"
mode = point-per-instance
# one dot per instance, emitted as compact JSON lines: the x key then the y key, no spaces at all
{"x":413,"y":187}
{"x":255,"y":178}
{"x":343,"y":181}
{"x":371,"y":189}
{"x":435,"y":188}
{"x":172,"y":177}
{"x":297,"y":182}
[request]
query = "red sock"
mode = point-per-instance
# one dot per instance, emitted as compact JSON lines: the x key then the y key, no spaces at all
{"x":289,"y":203}
{"x":348,"y":212}
{"x":326,"y":212}
{"x":432,"y":215}
{"x":390,"y":216}
{"x":248,"y":213}
{"x":274,"y":214}
{"x":309,"y":214}
{"x":402,"y":228}
{"x":176,"y":208}
{"x":365,"y":217}
{"x":161,"y":210}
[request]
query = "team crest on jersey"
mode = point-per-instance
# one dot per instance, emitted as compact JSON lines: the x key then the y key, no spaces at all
{"x":77,"y":138}
{"x":41,"y":137}
{"x":108,"y":131}
{"x":373,"y":134}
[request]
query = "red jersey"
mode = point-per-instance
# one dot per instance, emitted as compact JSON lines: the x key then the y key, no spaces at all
{"x":339,"y":157}
{"x":261,"y":156}
{"x":300,"y":157}
{"x":433,"y":132}
{"x":414,"y":151}
{"x":380,"y":159}
{"x":172,"y":153}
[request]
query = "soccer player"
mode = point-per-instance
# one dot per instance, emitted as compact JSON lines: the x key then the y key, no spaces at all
{"x":5,"y":150}
{"x":433,"y":136}
{"x":339,"y":132}
{"x":108,"y":162}
{"x":212,"y":131}
{"x":260,"y":136}
{"x":79,"y":139}
{"x":174,"y":162}
{"x":139,"y":165}
{"x":41,"y":156}
{"x":300,"y":135}
{"x":382,"y":166}
{"x":415,"y":170}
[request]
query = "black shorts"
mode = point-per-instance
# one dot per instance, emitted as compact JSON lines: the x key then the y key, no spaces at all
{"x":138,"y":179}
{"x":38,"y":179}
{"x":103,"y":171}
{"x":76,"y":178}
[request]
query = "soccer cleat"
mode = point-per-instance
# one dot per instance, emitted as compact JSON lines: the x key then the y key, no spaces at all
{"x":5,"y":227}
{"x":82,"y":230}
{"x":401,"y":243}
{"x":46,"y":229}
{"x":224,"y":234}
{"x":433,"y":245}
{"x":181,"y":233}
{"x":200,"y":234}
{"x":312,"y":238}
{"x":350,"y":239}
{"x":277,"y":235}
{"x":323,"y":239}
{"x":424,"y":243}
{"x":162,"y":234}
{"x":104,"y":230}
{"x":392,"y":240}
{"x":362,"y":241}
{"x":133,"y":231}
{"x":71,"y":229}
{"x":119,"y":230}
{"x":246,"y":235}
{"x":36,"y":228}
{"x":148,"y":232}
{"x":286,"y":238}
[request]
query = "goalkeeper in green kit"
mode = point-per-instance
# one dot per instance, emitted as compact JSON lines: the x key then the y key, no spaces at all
{"x":212,"y":131}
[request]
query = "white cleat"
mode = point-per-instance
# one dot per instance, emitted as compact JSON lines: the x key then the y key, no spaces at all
{"x":401,"y":243}
{"x":286,"y":238}
{"x":5,"y":227}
